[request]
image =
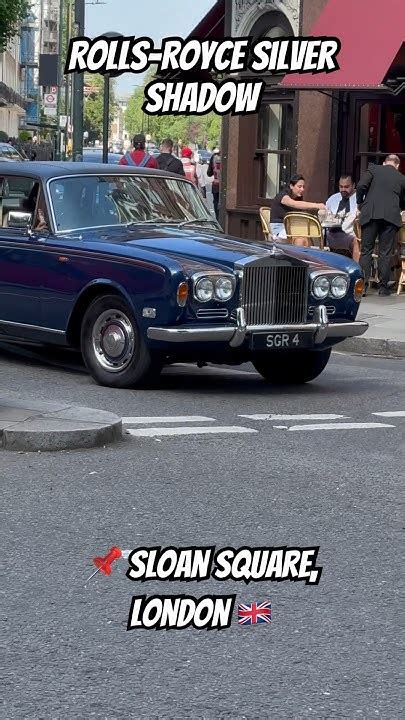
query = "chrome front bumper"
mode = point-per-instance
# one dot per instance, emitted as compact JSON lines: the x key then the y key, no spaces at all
{"x":320,"y":327}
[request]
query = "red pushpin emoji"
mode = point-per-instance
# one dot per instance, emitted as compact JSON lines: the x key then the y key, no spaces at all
{"x":104,"y":564}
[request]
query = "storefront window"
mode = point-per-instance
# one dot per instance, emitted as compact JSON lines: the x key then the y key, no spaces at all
{"x":381,"y":131}
{"x":274,"y":147}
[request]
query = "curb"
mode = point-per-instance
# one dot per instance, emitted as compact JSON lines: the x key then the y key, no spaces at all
{"x":373,"y":346}
{"x":43,"y":429}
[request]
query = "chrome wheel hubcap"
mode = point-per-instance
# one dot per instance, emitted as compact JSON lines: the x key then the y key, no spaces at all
{"x":113,"y":340}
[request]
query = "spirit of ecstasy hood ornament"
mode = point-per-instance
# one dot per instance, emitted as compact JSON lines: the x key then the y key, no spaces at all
{"x":273,"y":249}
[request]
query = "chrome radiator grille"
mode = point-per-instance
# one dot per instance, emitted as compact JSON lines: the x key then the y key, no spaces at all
{"x":275,"y":294}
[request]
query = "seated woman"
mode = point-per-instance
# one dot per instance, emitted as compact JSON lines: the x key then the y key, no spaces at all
{"x":289,"y":200}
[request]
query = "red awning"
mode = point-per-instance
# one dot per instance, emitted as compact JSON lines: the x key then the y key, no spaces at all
{"x":212,"y":26}
{"x":371,"y":33}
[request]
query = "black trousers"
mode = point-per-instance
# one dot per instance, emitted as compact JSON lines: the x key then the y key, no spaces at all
{"x":215,"y":198}
{"x":386,"y":244}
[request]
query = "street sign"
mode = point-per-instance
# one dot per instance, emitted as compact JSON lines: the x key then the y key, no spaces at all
{"x":50,"y":100}
{"x":50,"y":111}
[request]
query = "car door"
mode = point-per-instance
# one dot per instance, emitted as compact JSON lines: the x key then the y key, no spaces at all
{"x":20,"y":273}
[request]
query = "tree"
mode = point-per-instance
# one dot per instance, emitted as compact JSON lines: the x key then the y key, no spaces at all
{"x":93,"y":106}
{"x":187,"y":128}
{"x":12,"y":14}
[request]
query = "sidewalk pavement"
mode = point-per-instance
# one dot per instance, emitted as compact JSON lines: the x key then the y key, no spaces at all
{"x":27,"y":425}
{"x":386,"y":334}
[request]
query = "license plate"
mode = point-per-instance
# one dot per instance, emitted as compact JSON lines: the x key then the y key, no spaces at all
{"x":281,"y":341}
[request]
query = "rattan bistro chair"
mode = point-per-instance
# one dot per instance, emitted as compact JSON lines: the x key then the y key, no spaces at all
{"x":304,"y":225}
{"x":265,"y":213}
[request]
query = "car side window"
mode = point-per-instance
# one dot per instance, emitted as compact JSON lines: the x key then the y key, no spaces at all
{"x":17,"y":194}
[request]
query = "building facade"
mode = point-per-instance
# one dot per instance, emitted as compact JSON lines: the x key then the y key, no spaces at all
{"x":118,"y":131}
{"x":12,"y":104}
{"x":29,"y":62}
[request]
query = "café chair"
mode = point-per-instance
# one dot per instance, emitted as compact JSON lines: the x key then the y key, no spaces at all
{"x":265,"y":213}
{"x":303,"y":225}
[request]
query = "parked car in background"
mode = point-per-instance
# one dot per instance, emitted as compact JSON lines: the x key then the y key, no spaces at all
{"x":203,"y":156}
{"x":129,"y":267}
{"x":95,"y":155}
{"x":9,"y":153}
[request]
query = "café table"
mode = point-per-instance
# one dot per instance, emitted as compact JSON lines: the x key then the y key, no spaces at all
{"x":330,"y":225}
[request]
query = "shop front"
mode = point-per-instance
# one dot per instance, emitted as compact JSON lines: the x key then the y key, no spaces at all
{"x":319,"y":125}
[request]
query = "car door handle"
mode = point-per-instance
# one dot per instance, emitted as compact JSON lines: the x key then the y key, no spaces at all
{"x":63,"y":259}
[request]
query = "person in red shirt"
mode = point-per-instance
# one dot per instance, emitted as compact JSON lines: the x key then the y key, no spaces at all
{"x":138,"y":157}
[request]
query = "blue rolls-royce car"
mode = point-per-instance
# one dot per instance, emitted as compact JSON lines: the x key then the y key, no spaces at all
{"x":129,"y":266}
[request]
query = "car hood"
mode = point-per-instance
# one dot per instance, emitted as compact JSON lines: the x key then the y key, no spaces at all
{"x":189,"y":247}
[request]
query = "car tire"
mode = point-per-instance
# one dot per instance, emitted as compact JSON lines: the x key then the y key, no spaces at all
{"x":113,"y":349}
{"x":291,"y":368}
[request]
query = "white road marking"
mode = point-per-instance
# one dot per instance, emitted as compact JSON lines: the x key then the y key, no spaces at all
{"x":149,"y":420}
{"x":295,"y":417}
{"x":394,"y":413}
{"x":340,"y":426}
{"x":213,"y":430}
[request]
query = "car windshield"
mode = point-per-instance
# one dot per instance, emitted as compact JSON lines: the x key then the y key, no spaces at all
{"x":8,"y":151}
{"x":96,"y":201}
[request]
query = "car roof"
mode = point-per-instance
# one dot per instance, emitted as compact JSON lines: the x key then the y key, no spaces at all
{"x":56,"y":169}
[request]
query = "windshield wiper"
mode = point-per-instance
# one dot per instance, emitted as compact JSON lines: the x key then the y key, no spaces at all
{"x":196,"y":220}
{"x":152,"y":221}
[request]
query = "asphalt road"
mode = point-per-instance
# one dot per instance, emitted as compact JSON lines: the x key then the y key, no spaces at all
{"x":332,"y":650}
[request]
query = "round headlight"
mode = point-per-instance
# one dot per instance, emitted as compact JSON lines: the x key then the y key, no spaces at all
{"x":339,"y":286}
{"x":204,"y":290}
{"x":321,"y":287}
{"x":223,"y":289}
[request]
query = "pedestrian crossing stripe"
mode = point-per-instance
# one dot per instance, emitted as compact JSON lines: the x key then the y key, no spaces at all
{"x":186,"y":430}
{"x":340,"y":426}
{"x":296,"y":417}
{"x":150,"y":420}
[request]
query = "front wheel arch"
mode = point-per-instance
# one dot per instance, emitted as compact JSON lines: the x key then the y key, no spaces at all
{"x":113,"y":347}
{"x":83,"y":302}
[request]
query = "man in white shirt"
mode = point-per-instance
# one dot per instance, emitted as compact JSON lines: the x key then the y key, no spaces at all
{"x":344,"y":238}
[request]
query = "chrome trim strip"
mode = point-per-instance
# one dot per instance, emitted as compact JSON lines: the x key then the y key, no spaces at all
{"x":240,"y":332}
{"x":179,"y":335}
{"x":236,"y":336}
{"x":32,"y":327}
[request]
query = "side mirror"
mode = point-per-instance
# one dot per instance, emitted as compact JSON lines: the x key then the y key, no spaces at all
{"x":18,"y":219}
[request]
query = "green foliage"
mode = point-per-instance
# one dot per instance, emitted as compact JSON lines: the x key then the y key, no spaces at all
{"x":202,"y":130}
{"x":12,"y":13}
{"x":24,"y":136}
{"x":93,"y":106}
{"x":3,"y":136}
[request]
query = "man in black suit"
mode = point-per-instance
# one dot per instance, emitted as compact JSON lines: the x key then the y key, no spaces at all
{"x":380,"y":195}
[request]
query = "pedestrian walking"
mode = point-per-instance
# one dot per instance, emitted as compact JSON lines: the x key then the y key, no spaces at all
{"x":189,"y":166}
{"x":380,"y":196}
{"x":138,"y":156}
{"x":167,"y":161}
{"x":214,"y":171}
